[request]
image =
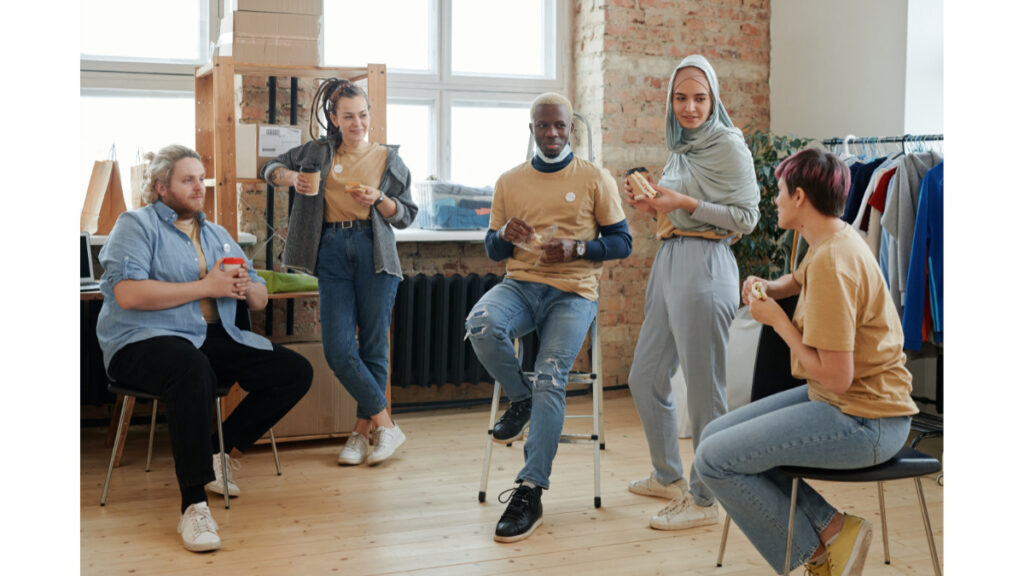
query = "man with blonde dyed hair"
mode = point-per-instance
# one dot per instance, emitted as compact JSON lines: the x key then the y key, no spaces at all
{"x":550,"y":286}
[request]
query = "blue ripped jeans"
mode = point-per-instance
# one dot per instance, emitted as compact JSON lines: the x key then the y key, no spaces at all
{"x":513,"y":309}
{"x":743,"y":449}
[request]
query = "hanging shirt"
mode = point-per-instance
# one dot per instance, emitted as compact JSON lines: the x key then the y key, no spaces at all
{"x":925,"y":276}
{"x":858,"y":184}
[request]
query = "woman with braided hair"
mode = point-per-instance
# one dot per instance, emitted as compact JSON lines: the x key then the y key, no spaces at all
{"x":342,"y":232}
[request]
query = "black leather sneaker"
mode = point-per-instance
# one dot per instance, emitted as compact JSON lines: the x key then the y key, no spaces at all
{"x":522,"y":516}
{"x":510,"y":426}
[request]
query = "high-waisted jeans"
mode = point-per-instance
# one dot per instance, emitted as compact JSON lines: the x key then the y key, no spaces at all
{"x":354,"y":296}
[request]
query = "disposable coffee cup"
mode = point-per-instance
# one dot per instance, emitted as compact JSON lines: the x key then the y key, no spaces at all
{"x":232,"y":264}
{"x":311,"y":174}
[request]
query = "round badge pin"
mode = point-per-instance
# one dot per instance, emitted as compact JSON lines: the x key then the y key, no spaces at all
{"x":570,"y":196}
{"x":337,"y":168}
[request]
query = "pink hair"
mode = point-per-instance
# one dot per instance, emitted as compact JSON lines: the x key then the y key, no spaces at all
{"x":822,"y":175}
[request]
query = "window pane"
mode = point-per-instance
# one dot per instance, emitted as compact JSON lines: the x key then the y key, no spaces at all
{"x":409,"y":127}
{"x":145,"y":123}
{"x":507,"y":39}
{"x":488,"y":140}
{"x":391,"y":32}
{"x":145,"y":29}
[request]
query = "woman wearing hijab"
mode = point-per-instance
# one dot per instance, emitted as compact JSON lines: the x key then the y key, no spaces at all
{"x":707,"y":196}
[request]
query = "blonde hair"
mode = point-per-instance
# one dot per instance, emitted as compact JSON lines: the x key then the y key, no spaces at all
{"x":550,"y":98}
{"x":161,"y":168}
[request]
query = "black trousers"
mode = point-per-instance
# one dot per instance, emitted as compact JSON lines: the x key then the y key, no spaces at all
{"x":186,"y":378}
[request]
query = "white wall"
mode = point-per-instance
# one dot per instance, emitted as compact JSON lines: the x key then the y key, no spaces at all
{"x":841,"y":67}
{"x":924,"y":95}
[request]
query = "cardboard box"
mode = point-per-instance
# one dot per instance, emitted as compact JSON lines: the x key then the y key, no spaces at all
{"x":327,"y":409}
{"x":276,"y":39}
{"x":257,"y":144}
{"x":310,"y":7}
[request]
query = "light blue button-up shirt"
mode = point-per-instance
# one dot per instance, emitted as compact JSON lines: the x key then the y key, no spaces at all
{"x":145,"y":245}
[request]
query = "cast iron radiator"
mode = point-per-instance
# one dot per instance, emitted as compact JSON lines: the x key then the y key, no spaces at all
{"x":429,"y":331}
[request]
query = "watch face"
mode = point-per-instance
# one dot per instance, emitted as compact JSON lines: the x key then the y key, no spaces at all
{"x":580,"y":248}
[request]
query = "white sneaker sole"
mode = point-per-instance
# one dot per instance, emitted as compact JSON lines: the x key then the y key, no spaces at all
{"x":684,"y":525}
{"x":523,"y":536}
{"x":350,"y":461}
{"x":860,"y":551}
{"x":644,"y":491}
{"x":202,"y":546}
{"x":216,"y":488}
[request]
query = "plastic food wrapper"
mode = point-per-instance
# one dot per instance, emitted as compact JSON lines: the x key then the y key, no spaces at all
{"x":537,"y":239}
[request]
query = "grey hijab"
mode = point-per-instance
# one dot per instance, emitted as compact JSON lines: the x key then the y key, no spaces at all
{"x":710,"y":163}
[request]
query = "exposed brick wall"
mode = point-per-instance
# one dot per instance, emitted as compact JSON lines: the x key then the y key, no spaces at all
{"x":623,"y":52}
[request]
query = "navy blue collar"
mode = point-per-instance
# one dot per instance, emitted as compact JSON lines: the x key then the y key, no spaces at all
{"x":542,"y":166}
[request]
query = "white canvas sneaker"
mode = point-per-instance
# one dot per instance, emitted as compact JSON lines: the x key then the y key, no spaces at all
{"x":217,"y":485}
{"x":385,"y":442}
{"x":651,"y":487}
{"x":355,"y":450}
{"x":683,"y":513}
{"x":198,"y":529}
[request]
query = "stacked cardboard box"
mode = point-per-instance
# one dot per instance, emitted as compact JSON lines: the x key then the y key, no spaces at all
{"x":277,"y":32}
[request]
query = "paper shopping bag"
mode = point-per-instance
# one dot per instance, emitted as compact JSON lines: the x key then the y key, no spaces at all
{"x":138,"y":179}
{"x":104,"y":200}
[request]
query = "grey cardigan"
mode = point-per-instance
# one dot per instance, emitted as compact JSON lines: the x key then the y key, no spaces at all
{"x":306,"y":222}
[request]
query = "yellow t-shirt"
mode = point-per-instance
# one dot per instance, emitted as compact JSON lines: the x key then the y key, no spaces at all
{"x":208,"y":306}
{"x":578,"y":199}
{"x":363,"y":164}
{"x":844,"y":305}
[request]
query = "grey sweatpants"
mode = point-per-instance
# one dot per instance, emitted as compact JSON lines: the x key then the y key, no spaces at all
{"x":692,"y":297}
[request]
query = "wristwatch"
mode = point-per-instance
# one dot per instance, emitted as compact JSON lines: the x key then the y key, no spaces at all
{"x":581,"y":248}
{"x":378,"y":200}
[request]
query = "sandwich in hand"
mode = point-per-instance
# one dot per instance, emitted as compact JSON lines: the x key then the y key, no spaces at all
{"x":641,"y":186}
{"x":758,"y":289}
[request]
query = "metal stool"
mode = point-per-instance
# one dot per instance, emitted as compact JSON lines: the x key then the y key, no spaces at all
{"x":596,"y":416}
{"x":907,"y":463}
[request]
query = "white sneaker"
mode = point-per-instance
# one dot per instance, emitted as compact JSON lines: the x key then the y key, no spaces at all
{"x":683,"y":513}
{"x":355,"y":450}
{"x":198,"y":529}
{"x":217,"y":485}
{"x":385,"y":442}
{"x":651,"y":487}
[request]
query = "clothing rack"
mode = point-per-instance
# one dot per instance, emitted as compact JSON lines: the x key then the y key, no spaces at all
{"x":929,"y":425}
{"x":902,"y":140}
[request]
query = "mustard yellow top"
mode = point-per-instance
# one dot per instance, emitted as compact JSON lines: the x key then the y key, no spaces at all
{"x":208,"y":306}
{"x":363,"y":163}
{"x":844,"y":305}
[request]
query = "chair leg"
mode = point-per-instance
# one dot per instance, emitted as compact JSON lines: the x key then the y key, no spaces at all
{"x":113,"y":451}
{"x":486,"y":472}
{"x":725,"y":536}
{"x":885,"y":525}
{"x":273,"y":446}
{"x":928,"y":527}
{"x":223,"y":460}
{"x":792,"y":519}
{"x":596,"y":438}
{"x":152,"y":430}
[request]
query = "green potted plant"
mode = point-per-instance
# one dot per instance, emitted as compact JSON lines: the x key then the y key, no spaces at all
{"x":761,"y":253}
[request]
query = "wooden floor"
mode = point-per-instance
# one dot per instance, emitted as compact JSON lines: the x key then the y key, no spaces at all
{"x":418,"y":513}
